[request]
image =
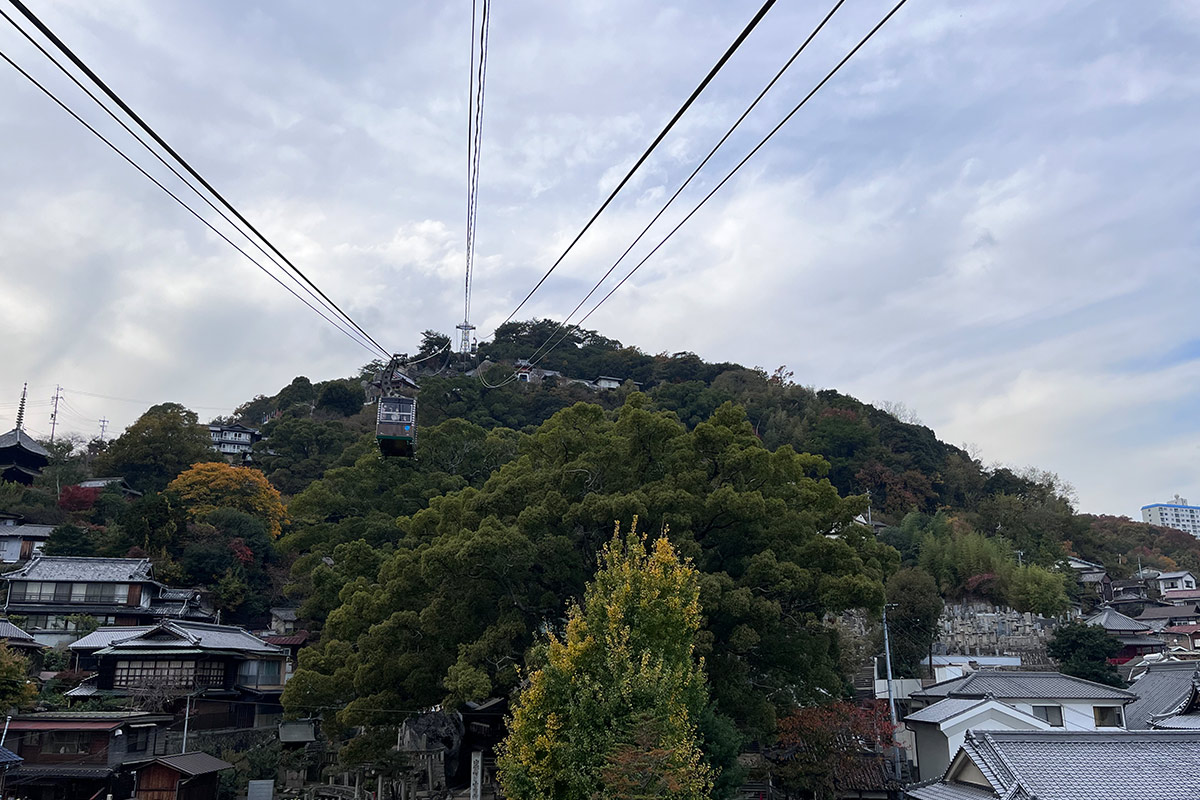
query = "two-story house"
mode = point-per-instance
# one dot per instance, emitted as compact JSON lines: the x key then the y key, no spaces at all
{"x":51,"y":593}
{"x":233,"y":441}
{"x":233,"y":677}
{"x":989,"y":700}
{"x":81,"y":754}
{"x":1167,"y":581}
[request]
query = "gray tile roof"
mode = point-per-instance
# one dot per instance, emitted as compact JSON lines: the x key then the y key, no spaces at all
{"x":1179,"y":722}
{"x":176,"y":635}
{"x":194,"y":763}
{"x":24,"y":439}
{"x":1023,"y":685}
{"x":10,"y":631}
{"x":948,"y":791}
{"x":1162,"y":689}
{"x":82,"y":568}
{"x":1113,"y":620}
{"x":1169,"y":612}
{"x":943,"y":710}
{"x":28,"y":531}
{"x":1092,"y":765}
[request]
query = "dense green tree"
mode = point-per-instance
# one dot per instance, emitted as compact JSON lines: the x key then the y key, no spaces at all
{"x":297,"y":452}
{"x":1084,"y":651}
{"x":70,"y":540}
{"x":914,"y":607}
{"x":474,"y":576}
{"x":340,"y":397}
{"x":162,"y":443}
{"x":300,"y":392}
{"x":613,"y":711}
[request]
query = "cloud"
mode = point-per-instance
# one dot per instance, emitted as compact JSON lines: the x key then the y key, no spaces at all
{"x":987,"y":215}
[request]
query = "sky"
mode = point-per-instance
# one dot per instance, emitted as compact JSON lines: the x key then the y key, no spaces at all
{"x":989,"y":215}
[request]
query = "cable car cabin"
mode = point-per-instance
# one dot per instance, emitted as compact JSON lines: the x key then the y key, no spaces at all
{"x":396,"y":426}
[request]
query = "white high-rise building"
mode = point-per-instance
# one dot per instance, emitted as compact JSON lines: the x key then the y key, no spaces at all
{"x":1177,"y":515}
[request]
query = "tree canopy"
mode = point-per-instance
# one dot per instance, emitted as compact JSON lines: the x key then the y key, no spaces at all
{"x":613,"y":712}
{"x":162,"y":443}
{"x":205,"y":488}
{"x":450,"y":613}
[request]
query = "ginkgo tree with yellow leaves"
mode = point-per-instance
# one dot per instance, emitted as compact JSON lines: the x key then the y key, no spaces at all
{"x":613,"y":712}
{"x":204,"y":488}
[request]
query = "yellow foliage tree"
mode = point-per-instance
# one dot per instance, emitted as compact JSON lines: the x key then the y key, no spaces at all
{"x":613,"y":713}
{"x":206,"y":487}
{"x":17,"y":691}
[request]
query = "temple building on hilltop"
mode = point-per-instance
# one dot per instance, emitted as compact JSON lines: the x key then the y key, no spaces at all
{"x":21,"y":458}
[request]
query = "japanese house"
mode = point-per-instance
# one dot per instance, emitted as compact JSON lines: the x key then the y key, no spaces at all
{"x":234,"y":678}
{"x":51,"y":591}
{"x":184,"y":776}
{"x":80,"y":754}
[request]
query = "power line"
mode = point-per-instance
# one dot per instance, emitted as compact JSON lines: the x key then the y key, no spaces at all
{"x":686,"y":105}
{"x":732,"y":172}
{"x":175,"y":197}
{"x":346,"y":329}
{"x":65,"y":50}
{"x":787,"y":65}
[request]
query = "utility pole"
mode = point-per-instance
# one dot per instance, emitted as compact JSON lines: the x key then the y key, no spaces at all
{"x":103,"y":427}
{"x":54,"y":413}
{"x":887,"y":655}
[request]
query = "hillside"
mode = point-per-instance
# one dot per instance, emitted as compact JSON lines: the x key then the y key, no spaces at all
{"x":433,"y":580}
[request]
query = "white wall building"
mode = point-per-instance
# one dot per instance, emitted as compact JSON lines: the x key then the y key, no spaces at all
{"x":1177,"y":514}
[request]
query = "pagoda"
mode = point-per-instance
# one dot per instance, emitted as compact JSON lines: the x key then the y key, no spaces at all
{"x":21,"y":458}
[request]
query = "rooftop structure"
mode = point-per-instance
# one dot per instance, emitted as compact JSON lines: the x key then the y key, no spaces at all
{"x":1070,"y":765}
{"x":1022,"y":686}
{"x":1161,"y":690}
{"x":21,"y":458}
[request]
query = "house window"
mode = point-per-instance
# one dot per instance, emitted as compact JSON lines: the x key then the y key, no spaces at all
{"x":1107,"y":716}
{"x":260,"y":673}
{"x":129,"y":674}
{"x":1050,"y":714}
{"x":139,"y":740}
{"x":66,"y":743}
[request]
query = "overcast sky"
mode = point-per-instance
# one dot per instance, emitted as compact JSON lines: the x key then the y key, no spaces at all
{"x":989,"y":215}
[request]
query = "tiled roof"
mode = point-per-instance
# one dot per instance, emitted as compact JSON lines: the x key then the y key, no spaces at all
{"x":1113,"y":620}
{"x":1161,"y":689}
{"x":1093,"y":765}
{"x":948,"y":791}
{"x":15,"y":436}
{"x":943,"y":710}
{"x":9,"y":757}
{"x":1181,"y":594}
{"x":82,"y":568}
{"x":176,"y":634}
{"x":1167,"y":612}
{"x":1023,"y":685}
{"x":194,"y":763}
{"x":286,"y":640}
{"x":1189,"y":628}
{"x":1169,"y":575}
{"x":28,"y":531}
{"x":1179,"y":722}
{"x":10,"y":631}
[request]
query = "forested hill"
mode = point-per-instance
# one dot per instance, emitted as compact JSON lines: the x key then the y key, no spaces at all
{"x":431,"y":580}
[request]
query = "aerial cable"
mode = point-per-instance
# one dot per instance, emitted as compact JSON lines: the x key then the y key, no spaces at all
{"x":476,"y":92}
{"x":787,"y":65}
{"x":731,"y":173}
{"x":176,"y":197}
{"x":686,"y":105}
{"x":49,"y":34}
{"x":168,"y":165}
